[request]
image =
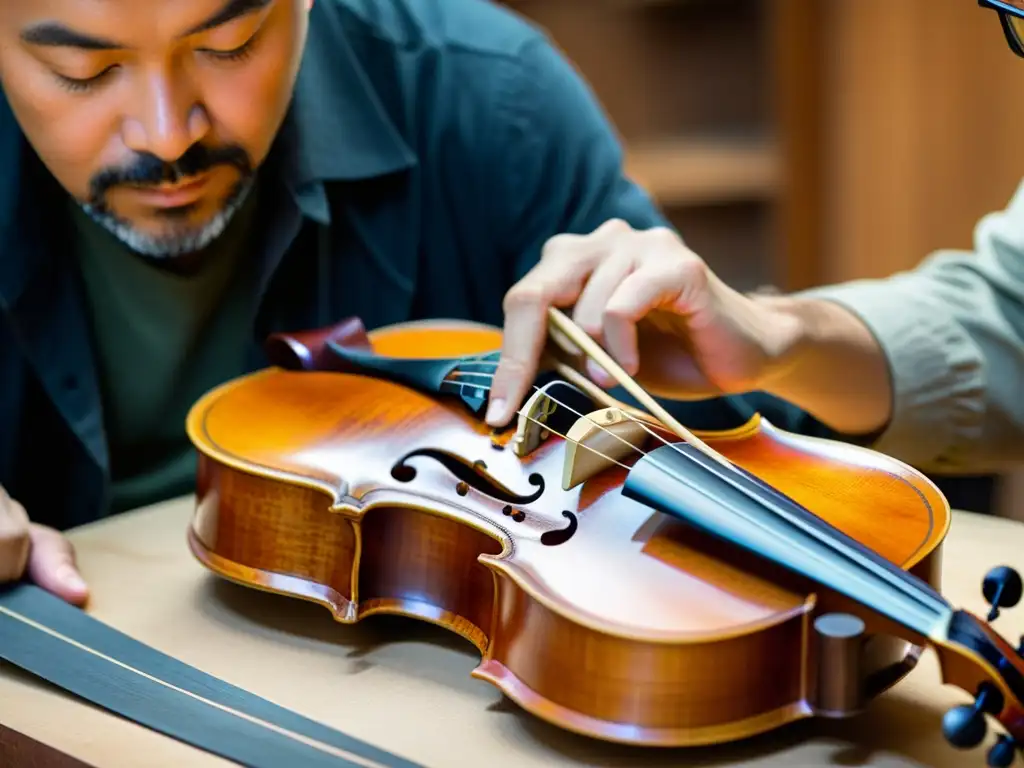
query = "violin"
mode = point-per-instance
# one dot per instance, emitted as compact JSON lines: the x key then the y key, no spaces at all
{"x":620,"y":576}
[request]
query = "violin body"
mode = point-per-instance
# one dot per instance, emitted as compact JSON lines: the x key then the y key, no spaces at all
{"x":590,"y":610}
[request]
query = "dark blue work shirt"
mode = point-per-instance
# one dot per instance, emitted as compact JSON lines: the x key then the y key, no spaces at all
{"x":431,"y":149}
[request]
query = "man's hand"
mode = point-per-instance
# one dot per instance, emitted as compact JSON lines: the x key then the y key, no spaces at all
{"x":653,"y":305}
{"x":42,"y":553}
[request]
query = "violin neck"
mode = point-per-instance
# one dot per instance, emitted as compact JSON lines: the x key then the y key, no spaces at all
{"x":732,"y":504}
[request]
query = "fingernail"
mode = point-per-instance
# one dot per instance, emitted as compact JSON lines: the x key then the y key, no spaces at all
{"x":598,"y":374}
{"x":495,"y":410}
{"x":70,"y":578}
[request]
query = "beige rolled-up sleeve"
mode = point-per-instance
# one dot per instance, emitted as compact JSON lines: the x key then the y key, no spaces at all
{"x":953,"y":333}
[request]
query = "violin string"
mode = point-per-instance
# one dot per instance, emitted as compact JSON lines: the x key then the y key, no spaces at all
{"x":911,"y":589}
{"x":923,"y":600}
{"x":486,"y":387}
{"x":538,"y":422}
{"x":574,"y":442}
{"x":900,"y":582}
{"x":488,"y":359}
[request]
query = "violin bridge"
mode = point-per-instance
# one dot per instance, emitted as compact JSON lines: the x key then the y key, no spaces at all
{"x":600,"y":440}
{"x":530,"y":427}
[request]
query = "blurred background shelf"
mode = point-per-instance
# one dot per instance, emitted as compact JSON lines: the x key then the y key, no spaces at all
{"x":799,"y":142}
{"x":696,"y":171}
{"x":708,"y":97}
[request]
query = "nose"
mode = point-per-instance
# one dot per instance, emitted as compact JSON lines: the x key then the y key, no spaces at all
{"x":167,"y":118}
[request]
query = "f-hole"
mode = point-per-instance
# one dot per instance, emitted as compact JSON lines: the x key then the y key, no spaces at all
{"x":560,"y":536}
{"x":474,"y":476}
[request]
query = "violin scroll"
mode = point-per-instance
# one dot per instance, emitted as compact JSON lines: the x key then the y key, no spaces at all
{"x":975,"y":658}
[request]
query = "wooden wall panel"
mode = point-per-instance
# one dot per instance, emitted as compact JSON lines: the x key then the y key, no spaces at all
{"x":796,"y":60}
{"x":923,"y":118}
{"x":924,"y":108}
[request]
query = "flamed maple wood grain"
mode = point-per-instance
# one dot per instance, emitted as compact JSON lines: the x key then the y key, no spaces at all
{"x":635,"y":628}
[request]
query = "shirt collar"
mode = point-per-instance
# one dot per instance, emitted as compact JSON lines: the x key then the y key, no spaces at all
{"x":337,"y":128}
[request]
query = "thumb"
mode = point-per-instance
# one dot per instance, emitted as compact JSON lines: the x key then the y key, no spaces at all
{"x":51,"y":565}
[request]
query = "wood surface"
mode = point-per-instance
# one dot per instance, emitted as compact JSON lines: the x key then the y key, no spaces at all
{"x":20,"y":751}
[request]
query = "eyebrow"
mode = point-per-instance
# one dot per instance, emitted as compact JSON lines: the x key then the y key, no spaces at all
{"x":232,"y":10}
{"x":53,"y":34}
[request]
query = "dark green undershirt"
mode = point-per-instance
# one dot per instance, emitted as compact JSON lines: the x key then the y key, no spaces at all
{"x":161,"y":340}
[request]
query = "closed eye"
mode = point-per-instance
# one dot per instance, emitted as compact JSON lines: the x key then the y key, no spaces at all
{"x":234,"y":54}
{"x":84,"y":83}
{"x":80,"y":84}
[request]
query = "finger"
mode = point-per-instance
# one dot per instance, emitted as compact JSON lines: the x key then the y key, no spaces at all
{"x":588,"y":313}
{"x":14,"y":539}
{"x":656,"y":253}
{"x":51,"y":565}
{"x":591,"y":308}
{"x":650,"y":287}
{"x":566,"y":263}
{"x":599,"y":375}
{"x":554,"y":282}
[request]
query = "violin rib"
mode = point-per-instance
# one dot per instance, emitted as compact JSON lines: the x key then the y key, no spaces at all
{"x":589,"y":609}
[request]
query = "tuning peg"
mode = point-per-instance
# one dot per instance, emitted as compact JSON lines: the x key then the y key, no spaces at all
{"x":1002,"y":588}
{"x":1001,"y":754}
{"x":964,"y":727}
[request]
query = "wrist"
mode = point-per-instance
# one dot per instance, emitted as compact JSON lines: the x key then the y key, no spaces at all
{"x":790,"y":329}
{"x":822,"y":358}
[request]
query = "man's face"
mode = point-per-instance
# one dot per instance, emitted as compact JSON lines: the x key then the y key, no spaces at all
{"x":153,"y":114}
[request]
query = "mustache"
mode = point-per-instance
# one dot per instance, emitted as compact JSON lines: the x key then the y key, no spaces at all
{"x":149,"y":170}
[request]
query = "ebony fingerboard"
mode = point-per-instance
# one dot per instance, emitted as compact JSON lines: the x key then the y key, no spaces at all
{"x":63,"y":645}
